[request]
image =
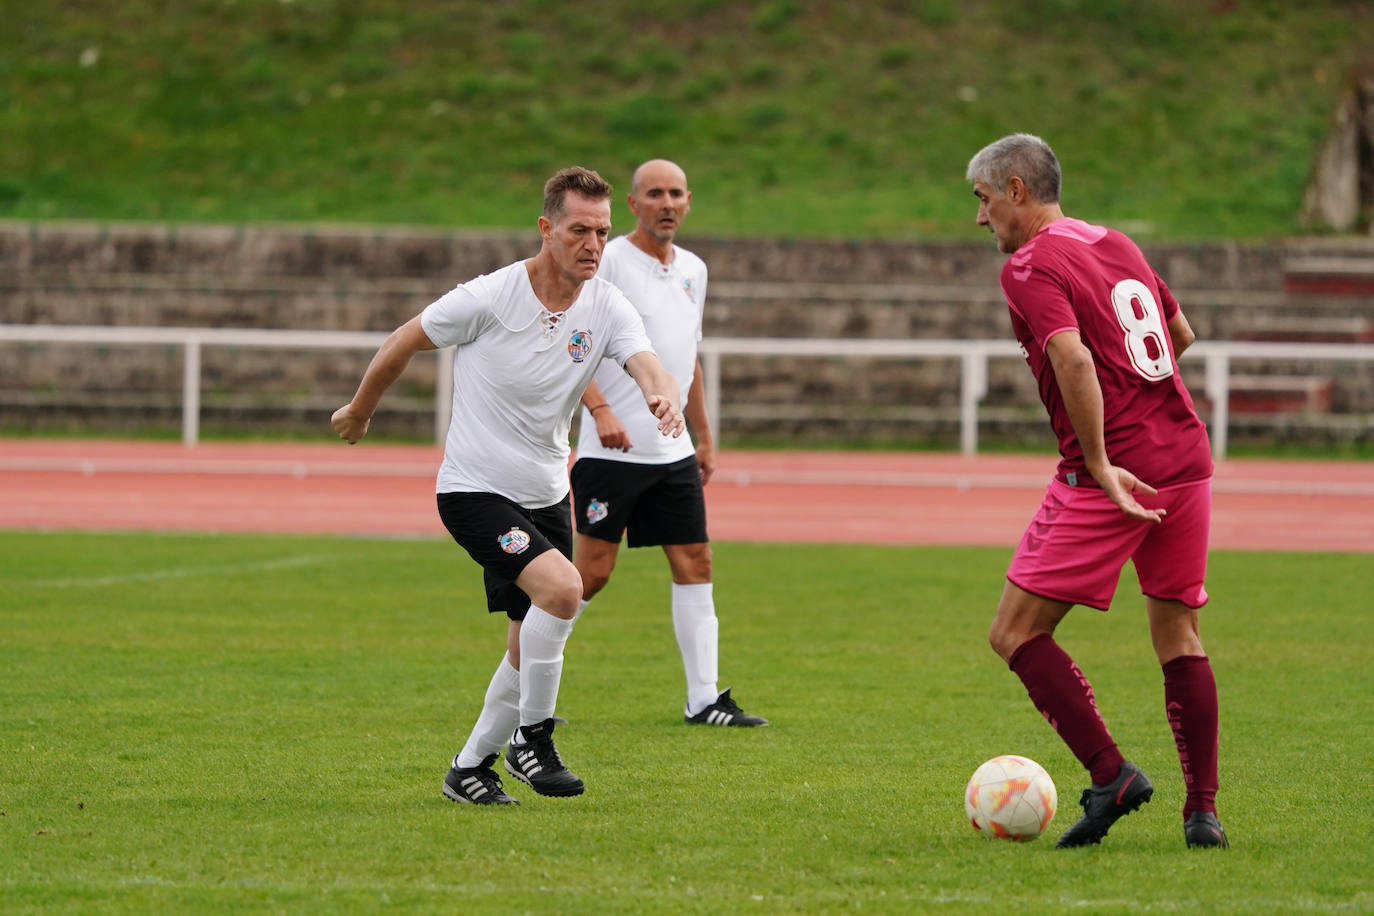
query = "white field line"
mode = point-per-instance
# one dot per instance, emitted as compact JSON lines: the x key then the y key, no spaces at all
{"x":737,"y":477}
{"x":179,"y":573}
{"x":882,"y":901}
{"x":1254,"y":905}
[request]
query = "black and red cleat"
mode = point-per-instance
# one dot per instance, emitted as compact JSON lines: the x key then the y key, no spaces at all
{"x":1105,"y":805}
{"x":1202,"y":830}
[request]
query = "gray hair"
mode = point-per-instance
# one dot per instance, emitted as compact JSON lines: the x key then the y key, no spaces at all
{"x":1023,"y":156}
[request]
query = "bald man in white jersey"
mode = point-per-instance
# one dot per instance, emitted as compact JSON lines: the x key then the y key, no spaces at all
{"x":529,"y":338}
{"x":629,"y":481}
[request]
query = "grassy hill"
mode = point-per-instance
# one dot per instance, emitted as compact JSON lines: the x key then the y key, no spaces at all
{"x":1174,"y":118}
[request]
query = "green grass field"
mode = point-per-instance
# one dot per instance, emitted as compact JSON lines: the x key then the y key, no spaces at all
{"x":1173,"y":118}
{"x":261,"y":724}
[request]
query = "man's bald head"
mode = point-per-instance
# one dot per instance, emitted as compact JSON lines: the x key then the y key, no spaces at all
{"x":659,"y":200}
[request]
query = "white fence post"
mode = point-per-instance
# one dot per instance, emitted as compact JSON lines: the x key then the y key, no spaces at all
{"x":190,"y":392}
{"x":710,"y":371}
{"x":1217,"y":384}
{"x":973,"y":385}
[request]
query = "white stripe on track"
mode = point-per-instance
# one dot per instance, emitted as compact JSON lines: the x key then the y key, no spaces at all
{"x":1005,"y":481}
{"x":741,"y":477}
{"x":89,"y":467}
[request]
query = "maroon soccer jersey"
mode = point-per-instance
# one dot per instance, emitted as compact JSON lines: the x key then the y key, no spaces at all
{"x":1073,"y":276}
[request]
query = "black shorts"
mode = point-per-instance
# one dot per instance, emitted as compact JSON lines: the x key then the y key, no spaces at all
{"x":503,"y":537}
{"x":656,"y":503}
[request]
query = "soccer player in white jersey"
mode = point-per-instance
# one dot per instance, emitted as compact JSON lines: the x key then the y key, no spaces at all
{"x":629,"y":480}
{"x":529,"y":338}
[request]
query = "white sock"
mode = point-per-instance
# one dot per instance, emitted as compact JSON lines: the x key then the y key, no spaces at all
{"x":500,"y":714}
{"x":697,"y":629}
{"x":581,"y":606}
{"x":542,"y":637}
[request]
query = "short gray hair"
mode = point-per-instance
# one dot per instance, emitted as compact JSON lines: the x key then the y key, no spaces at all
{"x":1023,"y":156}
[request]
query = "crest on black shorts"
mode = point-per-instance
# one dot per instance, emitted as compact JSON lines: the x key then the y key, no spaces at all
{"x":596,"y":511}
{"x":514,"y":541}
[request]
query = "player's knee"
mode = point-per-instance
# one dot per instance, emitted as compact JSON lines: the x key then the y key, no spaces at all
{"x":554,"y":585}
{"x":593,"y":581}
{"x":1004,"y":640}
{"x":595,"y":572}
{"x":691,"y":564}
{"x":595,"y":562}
{"x":1173,"y":645}
{"x":562,"y":597}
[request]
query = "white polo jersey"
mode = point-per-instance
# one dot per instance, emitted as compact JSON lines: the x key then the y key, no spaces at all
{"x":518,"y":374}
{"x":670,"y":298}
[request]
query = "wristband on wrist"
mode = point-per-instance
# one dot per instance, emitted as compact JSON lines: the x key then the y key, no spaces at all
{"x":597,"y":407}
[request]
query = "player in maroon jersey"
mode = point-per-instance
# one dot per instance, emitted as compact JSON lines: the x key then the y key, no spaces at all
{"x":1102,"y":334}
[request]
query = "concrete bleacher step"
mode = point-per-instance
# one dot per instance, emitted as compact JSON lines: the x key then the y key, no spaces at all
{"x":1340,"y":275}
{"x":1280,"y":394}
{"x":1308,"y":329}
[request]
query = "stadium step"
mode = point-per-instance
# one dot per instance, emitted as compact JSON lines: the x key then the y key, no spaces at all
{"x":1280,"y":394}
{"x":1308,"y":329}
{"x":1337,"y":275}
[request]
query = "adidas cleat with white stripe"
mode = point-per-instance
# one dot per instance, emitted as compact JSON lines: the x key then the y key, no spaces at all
{"x":724,"y":711}
{"x":536,"y":763}
{"x":477,"y":785}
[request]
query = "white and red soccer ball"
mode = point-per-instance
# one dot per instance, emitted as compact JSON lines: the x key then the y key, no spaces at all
{"x":1010,"y":797}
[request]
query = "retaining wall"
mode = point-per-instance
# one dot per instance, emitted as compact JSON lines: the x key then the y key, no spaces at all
{"x":344,"y":278}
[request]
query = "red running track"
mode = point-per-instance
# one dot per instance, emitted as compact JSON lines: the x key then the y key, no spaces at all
{"x":815,"y":497}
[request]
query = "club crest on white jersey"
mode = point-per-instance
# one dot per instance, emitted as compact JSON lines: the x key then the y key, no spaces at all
{"x":688,"y":290}
{"x":515,"y":541}
{"x":580,"y":345}
{"x":597,"y":510}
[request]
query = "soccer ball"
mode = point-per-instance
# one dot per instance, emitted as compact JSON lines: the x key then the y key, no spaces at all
{"x":1010,"y":797}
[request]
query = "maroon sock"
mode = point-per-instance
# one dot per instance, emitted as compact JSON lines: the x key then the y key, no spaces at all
{"x":1190,"y":702}
{"x":1065,"y":698}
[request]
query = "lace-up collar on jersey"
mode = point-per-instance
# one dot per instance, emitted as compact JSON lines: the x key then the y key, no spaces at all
{"x":550,"y":322}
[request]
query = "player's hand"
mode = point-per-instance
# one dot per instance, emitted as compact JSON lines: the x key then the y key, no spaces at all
{"x":1121,"y":485}
{"x":706,"y":461}
{"x":348,"y":425}
{"x":670,"y":421}
{"x":610,"y":430}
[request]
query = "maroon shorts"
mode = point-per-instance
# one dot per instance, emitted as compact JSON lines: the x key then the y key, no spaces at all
{"x":1074,"y":548}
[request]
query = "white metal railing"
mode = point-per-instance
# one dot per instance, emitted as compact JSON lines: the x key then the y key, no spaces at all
{"x":973,"y":364}
{"x":973,"y":358}
{"x":191,"y":340}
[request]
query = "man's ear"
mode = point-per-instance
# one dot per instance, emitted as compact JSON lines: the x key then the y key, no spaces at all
{"x":1016,"y":189}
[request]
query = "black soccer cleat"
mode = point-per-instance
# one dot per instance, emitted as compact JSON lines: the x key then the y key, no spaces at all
{"x":536,"y":763}
{"x":1203,"y":829}
{"x":724,"y":711}
{"x":477,"y":785}
{"x":1104,"y":805}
